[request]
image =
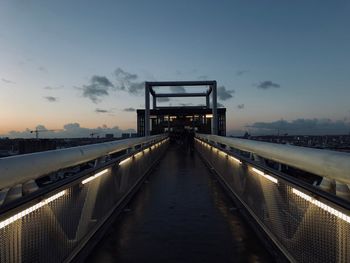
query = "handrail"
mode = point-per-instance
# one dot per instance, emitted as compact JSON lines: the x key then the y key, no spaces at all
{"x":22,"y":168}
{"x":325,"y":163}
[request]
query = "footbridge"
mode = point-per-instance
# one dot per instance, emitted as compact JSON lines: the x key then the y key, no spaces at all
{"x":152,"y":199}
{"x":178,"y":193}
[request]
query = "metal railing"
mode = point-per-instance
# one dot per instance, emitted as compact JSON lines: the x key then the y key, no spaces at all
{"x":325,"y":163}
{"x":22,"y":168}
{"x":56,"y":222}
{"x":305,"y":223}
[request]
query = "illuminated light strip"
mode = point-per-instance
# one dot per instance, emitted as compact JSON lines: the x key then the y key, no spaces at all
{"x":124,"y":161}
{"x":30,"y":209}
{"x":321,"y":205}
{"x":268,"y":177}
{"x":94,"y":176}
{"x":222,"y":153}
{"x":137,"y":154}
{"x":235,"y":159}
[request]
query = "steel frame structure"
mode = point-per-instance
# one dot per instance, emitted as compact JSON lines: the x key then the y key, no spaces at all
{"x":211,"y":91}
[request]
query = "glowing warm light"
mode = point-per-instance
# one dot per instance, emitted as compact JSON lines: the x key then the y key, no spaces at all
{"x":125,"y":160}
{"x":27,"y":211}
{"x":209,"y":115}
{"x":268,"y":177}
{"x":89,"y":179}
{"x":138,"y":154}
{"x":235,"y":159}
{"x":321,"y":205}
{"x":222,"y":153}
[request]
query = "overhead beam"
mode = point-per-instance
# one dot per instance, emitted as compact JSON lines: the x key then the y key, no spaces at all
{"x":181,"y":83}
{"x":168,"y":95}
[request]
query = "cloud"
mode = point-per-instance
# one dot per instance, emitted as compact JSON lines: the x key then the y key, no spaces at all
{"x":302,"y":127}
{"x":99,"y":86}
{"x":97,"y":110}
{"x":268,"y":84}
{"x":43,"y":69}
{"x":177,"y":89}
{"x":51,"y":99}
{"x":8,"y":81}
{"x":241,"y":72}
{"x":220,"y":105}
{"x":224,"y":94}
{"x":136,"y":88}
{"x":129,"y":109}
{"x":128,"y":82}
{"x":70,"y":130}
{"x":53,"y":88}
{"x":40,"y":127}
{"x":240,"y":106}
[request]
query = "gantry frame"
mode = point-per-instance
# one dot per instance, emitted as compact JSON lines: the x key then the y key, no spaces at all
{"x":211,"y":91}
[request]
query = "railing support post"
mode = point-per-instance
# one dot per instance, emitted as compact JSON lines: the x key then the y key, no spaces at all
{"x":147,"y":109}
{"x":214,"y":126}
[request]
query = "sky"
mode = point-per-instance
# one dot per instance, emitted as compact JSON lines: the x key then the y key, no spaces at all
{"x":79,"y":66}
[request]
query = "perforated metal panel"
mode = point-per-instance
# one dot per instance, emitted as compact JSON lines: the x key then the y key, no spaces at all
{"x":303,"y":226}
{"x":68,"y":217}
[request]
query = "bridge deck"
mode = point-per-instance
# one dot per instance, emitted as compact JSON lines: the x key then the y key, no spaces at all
{"x":180,"y":215}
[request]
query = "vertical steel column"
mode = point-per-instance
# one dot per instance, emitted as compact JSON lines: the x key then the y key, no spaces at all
{"x":147,"y":109}
{"x":138,"y":125}
{"x":154,"y":98}
{"x":214,"y":124}
{"x":207,"y":99}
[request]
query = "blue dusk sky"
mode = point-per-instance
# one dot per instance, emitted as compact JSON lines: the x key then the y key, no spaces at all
{"x":80,"y":65}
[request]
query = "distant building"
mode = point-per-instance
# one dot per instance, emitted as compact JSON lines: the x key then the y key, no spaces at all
{"x":34,"y":145}
{"x":109,"y":135}
{"x":125,"y":135}
{"x":177,"y":119}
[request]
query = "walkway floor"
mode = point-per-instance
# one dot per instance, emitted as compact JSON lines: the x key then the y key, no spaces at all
{"x":180,"y":215}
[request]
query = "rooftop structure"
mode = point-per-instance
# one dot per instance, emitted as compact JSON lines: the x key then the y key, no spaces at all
{"x":206,"y":119}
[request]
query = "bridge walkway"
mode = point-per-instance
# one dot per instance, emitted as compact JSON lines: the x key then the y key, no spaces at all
{"x":181,"y":214}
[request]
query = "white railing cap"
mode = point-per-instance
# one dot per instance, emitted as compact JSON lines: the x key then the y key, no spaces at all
{"x":22,"y":168}
{"x":325,"y":163}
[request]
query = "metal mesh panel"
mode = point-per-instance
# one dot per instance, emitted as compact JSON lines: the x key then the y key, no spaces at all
{"x":305,"y":231}
{"x":52,"y":232}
